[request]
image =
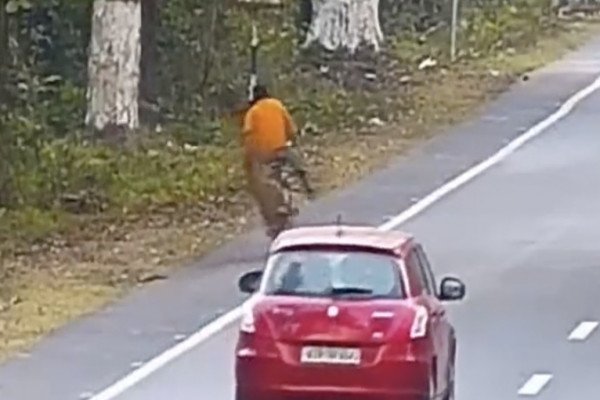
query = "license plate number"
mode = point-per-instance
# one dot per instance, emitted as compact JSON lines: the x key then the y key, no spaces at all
{"x":330,"y":355}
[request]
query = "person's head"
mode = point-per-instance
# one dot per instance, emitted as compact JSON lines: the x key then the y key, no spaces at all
{"x":259,"y":92}
{"x":293,"y":277}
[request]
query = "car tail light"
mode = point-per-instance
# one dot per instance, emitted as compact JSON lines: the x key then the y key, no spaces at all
{"x":247,"y":324}
{"x":419,"y":326}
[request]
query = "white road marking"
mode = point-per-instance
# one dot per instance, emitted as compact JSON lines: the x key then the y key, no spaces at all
{"x":583,"y":331}
{"x":227,"y":319}
{"x":535,"y":384}
{"x":504,"y":152}
{"x":169,"y":355}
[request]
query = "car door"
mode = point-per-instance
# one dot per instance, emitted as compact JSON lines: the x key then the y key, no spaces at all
{"x":424,"y":292}
{"x":439,"y":317}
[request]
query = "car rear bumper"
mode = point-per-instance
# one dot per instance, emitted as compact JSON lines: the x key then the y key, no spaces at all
{"x":260,"y":378}
{"x":256,"y":394}
{"x":295,"y":394}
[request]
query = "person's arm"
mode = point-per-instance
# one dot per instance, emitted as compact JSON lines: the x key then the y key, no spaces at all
{"x":290,"y":126}
{"x":247,"y":126}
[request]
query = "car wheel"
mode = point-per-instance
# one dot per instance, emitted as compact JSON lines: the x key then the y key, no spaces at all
{"x":450,"y":392}
{"x":431,"y":389}
{"x":451,"y":378}
{"x":239,"y":395}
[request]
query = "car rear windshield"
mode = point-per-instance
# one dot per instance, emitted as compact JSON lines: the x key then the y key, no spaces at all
{"x":319,"y":273}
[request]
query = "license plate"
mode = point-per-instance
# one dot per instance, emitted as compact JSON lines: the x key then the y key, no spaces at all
{"x":330,"y":355}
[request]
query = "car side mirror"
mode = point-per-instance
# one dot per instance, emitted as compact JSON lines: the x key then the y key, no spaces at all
{"x":250,"y":281}
{"x":452,"y":289}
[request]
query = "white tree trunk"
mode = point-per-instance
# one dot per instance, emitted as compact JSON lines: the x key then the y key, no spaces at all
{"x":345,"y":24}
{"x":114,"y":65}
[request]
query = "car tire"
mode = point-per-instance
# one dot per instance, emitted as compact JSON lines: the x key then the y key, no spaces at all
{"x":431,"y":395}
{"x":451,"y":377}
{"x":239,"y":395}
{"x":450,"y":391}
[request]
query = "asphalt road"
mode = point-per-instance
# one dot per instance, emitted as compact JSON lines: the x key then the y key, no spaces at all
{"x":525,"y":239}
{"x":523,"y":236}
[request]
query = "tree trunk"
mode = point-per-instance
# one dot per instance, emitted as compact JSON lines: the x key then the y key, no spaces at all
{"x":345,"y":24}
{"x":305,"y":13}
{"x":4,"y":56}
{"x":114,"y":67}
{"x":3,"y":33}
{"x":149,"y":60}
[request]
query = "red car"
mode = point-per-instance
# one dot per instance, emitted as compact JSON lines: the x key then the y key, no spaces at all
{"x":346,"y":313}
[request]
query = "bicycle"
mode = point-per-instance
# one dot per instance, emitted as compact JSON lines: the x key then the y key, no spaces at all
{"x":284,"y":176}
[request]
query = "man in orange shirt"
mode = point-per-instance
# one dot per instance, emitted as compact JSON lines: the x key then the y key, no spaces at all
{"x":267,"y":133}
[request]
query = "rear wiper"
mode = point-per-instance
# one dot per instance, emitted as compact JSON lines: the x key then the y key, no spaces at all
{"x":341,"y":290}
{"x":282,"y":292}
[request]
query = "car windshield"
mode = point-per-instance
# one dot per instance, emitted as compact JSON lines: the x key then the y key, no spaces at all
{"x":318,"y":273}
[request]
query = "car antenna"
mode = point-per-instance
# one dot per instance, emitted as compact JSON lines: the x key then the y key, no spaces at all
{"x":338,"y":223}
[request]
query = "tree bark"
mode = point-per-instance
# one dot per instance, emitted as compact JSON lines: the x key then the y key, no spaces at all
{"x":149,"y":61}
{"x":345,"y":24}
{"x":305,"y":13}
{"x":4,"y":56}
{"x":114,"y":67}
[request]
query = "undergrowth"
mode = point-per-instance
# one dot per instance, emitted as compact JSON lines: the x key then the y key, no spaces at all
{"x":53,"y":176}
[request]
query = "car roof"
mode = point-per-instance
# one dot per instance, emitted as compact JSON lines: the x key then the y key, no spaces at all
{"x":342,"y":235}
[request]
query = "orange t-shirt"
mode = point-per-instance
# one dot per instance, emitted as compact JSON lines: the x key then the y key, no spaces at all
{"x":267,"y":128}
